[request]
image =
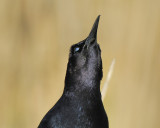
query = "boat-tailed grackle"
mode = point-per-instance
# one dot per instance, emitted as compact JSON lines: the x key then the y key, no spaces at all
{"x":80,"y":105}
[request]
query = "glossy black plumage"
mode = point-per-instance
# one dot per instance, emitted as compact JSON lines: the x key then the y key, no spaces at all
{"x":80,"y":106}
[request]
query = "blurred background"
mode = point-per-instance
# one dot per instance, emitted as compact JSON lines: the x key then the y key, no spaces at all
{"x":35,"y":37}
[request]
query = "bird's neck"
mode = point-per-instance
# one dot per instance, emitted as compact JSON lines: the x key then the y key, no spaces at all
{"x":88,"y":89}
{"x":81,"y":83}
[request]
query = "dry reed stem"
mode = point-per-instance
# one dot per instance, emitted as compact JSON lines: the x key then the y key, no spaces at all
{"x":105,"y":87}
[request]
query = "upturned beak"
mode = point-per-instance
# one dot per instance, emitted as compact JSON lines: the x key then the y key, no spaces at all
{"x":92,"y":38}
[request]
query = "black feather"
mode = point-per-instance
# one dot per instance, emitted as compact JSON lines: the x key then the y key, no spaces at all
{"x":80,"y":106}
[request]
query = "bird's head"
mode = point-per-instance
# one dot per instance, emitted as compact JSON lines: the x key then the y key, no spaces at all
{"x":85,"y":64}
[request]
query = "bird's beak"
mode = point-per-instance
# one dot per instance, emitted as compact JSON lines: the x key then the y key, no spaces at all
{"x":93,"y":34}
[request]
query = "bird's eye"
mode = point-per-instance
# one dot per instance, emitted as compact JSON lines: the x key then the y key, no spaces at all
{"x":76,"y":49}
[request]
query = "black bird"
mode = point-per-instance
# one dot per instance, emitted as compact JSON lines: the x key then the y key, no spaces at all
{"x":80,"y":105}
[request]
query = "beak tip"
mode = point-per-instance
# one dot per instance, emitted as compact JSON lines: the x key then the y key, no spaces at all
{"x":94,"y":29}
{"x":99,"y":17}
{"x":93,"y":32}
